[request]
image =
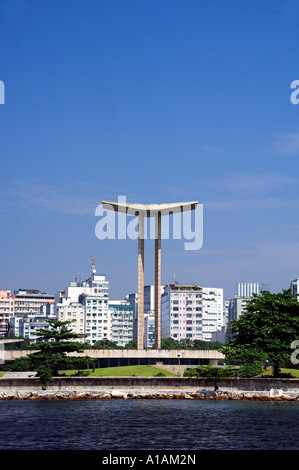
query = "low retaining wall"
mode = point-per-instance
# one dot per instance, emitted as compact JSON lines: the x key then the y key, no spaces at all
{"x":98,"y":384}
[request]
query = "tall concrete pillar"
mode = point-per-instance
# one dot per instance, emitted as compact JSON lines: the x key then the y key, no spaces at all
{"x":158,"y":282}
{"x":140,"y":320}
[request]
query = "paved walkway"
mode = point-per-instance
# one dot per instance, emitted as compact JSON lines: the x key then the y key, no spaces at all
{"x":18,"y":375}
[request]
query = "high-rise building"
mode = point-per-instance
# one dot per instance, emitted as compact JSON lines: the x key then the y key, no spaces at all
{"x":237,"y":306}
{"x":122,"y":317}
{"x":191,"y":312}
{"x":33,"y":301}
{"x":75,"y":312}
{"x":23,"y":303}
{"x":212,"y":312}
{"x":6,"y":310}
{"x":295,"y":287}
{"x":27,"y":327}
{"x":149,"y":329}
{"x":86,"y":302}
{"x":247,"y":289}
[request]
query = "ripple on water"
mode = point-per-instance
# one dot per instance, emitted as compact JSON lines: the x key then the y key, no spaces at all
{"x":148,"y":424}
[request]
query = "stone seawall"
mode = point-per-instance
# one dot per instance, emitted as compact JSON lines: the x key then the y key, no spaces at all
{"x":150,"y":387}
{"x":134,"y":394}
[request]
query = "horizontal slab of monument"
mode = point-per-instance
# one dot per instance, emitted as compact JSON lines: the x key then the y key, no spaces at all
{"x":149,"y":210}
{"x":114,"y":357}
{"x":5,"y":341}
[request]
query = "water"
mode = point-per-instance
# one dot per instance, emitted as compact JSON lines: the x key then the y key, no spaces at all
{"x":148,"y":424}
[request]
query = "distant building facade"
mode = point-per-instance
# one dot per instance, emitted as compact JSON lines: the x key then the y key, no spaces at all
{"x":122,"y":319}
{"x":86,"y":303}
{"x":235,"y":307}
{"x":191,"y":312}
{"x":212,"y":312}
{"x":28,"y":327}
{"x":24,"y":303}
{"x":75,"y":312}
{"x":295,"y":287}
{"x":6,"y":310}
{"x":247,"y":289}
{"x":149,"y":314}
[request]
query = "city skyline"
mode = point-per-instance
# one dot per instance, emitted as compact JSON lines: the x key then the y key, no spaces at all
{"x":243,"y":288}
{"x":160,"y":104}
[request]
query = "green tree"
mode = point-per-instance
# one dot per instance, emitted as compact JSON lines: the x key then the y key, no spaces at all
{"x":131,"y":344}
{"x":211,"y":372}
{"x":170,"y":343}
{"x":105,"y":344}
{"x":201,"y":344}
{"x":265,"y":330}
{"x":186,"y":343}
{"x":55,"y":343}
{"x":250,"y":370}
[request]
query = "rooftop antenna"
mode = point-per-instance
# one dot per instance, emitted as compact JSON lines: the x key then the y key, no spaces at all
{"x":174,"y":280}
{"x":93,"y":266}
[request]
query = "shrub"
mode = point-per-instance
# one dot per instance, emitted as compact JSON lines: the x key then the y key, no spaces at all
{"x":82,"y":373}
{"x":250,"y":370}
{"x":211,"y":372}
{"x":190,"y":373}
{"x":20,"y":364}
{"x":45,"y":376}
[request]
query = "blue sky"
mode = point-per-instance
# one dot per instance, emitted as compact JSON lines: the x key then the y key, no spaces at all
{"x":159,"y":101}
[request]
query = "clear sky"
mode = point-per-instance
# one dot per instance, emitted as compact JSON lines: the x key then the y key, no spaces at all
{"x":158,"y":101}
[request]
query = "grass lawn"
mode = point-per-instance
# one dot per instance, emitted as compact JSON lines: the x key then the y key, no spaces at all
{"x":125,"y":371}
{"x":294,"y":372}
{"x":2,"y":373}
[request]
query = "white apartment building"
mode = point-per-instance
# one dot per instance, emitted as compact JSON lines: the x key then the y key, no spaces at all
{"x":236,"y":307}
{"x":33,"y":301}
{"x":295,"y":287}
{"x":149,"y":329}
{"x":86,"y":303}
{"x":97,"y":317}
{"x":74,"y":312}
{"x":191,"y":312}
{"x":27,"y":326}
{"x":6,"y":310}
{"x":121,"y":314}
{"x":247,"y":289}
{"x":23,"y":303}
{"x":212,"y":311}
{"x":226,"y":303}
